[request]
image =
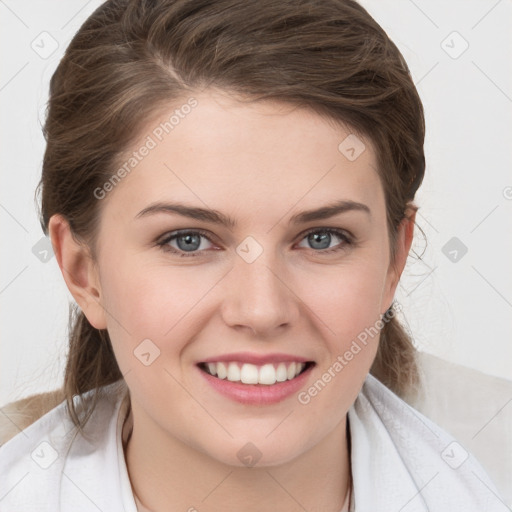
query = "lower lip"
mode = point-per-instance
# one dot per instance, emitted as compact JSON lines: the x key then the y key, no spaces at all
{"x":257,"y":394}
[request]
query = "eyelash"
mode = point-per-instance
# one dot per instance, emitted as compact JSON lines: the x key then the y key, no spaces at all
{"x":346,"y":238}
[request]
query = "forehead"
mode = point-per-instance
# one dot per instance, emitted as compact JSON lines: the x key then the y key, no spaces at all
{"x":223,"y":151}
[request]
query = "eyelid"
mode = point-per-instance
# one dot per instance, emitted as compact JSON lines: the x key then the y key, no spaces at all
{"x":169,"y":235}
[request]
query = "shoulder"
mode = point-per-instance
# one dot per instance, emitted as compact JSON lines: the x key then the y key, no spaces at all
{"x":475,"y":408}
{"x":34,"y":435}
{"x":455,"y":379}
{"x":33,"y":462}
{"x":401,"y":450}
{"x":17,"y":416}
{"x":471,"y":405}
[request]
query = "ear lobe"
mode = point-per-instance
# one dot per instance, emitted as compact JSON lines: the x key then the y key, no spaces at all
{"x":78,"y":270}
{"x":404,"y":237}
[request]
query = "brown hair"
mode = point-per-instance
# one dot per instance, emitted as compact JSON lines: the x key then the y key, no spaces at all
{"x":132,"y":57}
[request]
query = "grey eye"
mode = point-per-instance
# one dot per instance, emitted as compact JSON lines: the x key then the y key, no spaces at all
{"x":319,"y":240}
{"x":188,"y":242}
{"x":322,"y":239}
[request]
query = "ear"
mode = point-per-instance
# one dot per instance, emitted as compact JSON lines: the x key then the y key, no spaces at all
{"x":404,"y":237}
{"x":78,"y":270}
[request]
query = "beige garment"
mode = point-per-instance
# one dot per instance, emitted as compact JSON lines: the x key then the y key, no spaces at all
{"x":473,"y":407}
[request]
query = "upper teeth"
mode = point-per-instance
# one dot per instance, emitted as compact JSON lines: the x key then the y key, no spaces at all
{"x":251,"y":374}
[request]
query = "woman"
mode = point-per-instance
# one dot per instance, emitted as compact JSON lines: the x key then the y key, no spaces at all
{"x":229,"y":190}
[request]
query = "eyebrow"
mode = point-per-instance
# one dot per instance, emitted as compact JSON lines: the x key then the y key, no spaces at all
{"x":216,"y":217}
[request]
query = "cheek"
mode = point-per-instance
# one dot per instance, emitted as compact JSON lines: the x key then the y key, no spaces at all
{"x":349,"y":306}
{"x":150,"y":301}
{"x":349,"y":299}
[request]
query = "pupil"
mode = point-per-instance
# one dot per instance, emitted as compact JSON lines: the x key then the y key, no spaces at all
{"x":192,"y":242}
{"x":323,"y":239}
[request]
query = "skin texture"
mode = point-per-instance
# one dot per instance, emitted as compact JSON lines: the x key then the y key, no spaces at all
{"x":259,"y":164}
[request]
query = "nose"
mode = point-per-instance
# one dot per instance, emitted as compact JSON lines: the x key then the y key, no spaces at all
{"x":258,"y":298}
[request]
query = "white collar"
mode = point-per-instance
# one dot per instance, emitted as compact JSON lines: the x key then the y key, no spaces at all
{"x":401,"y":461}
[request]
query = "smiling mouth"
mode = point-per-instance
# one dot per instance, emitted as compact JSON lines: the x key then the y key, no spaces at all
{"x":246,"y":373}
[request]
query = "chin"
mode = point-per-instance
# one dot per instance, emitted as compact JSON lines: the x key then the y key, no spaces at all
{"x":258,"y":452}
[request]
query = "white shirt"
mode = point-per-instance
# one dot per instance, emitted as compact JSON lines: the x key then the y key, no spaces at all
{"x":400,"y":461}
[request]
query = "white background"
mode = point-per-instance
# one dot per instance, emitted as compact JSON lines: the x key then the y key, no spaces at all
{"x":460,"y":311}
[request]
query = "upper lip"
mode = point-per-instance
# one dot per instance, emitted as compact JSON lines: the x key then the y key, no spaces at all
{"x":257,"y":359}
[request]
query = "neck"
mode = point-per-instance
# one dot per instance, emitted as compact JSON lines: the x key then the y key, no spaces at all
{"x":167,"y":474}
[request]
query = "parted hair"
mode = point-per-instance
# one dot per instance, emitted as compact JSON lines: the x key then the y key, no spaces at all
{"x":132,"y":58}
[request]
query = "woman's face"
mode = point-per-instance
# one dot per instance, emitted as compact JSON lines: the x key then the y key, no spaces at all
{"x":252,"y":237}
